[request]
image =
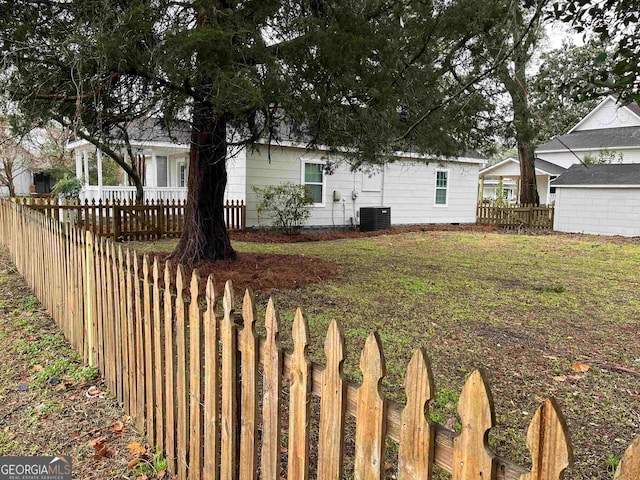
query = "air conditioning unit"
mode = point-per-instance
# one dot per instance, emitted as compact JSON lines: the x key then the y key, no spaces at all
{"x":375,"y":218}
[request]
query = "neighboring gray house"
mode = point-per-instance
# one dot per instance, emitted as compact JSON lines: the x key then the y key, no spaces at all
{"x":599,"y":199}
{"x":418,"y":189}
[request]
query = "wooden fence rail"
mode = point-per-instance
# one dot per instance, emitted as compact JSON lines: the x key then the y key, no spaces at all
{"x":123,"y":220}
{"x":515,"y":216}
{"x":210,"y":393}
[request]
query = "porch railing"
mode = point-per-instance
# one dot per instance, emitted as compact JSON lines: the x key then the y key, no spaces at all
{"x":127,"y":193}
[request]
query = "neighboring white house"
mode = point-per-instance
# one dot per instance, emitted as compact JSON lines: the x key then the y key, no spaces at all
{"x":416,"y":188}
{"x":509,"y":171}
{"x":610,"y":132}
{"x":599,"y":199}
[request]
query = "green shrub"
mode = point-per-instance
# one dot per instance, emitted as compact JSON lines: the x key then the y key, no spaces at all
{"x":285,"y":205}
{"x":68,"y":187}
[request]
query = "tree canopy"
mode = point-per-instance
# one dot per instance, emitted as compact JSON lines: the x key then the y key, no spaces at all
{"x":612,"y":21}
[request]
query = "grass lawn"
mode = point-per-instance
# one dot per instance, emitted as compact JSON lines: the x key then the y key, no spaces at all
{"x":524,"y":308}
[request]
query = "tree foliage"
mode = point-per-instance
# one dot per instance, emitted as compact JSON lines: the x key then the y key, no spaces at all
{"x":613,"y":21}
{"x":554,"y":88}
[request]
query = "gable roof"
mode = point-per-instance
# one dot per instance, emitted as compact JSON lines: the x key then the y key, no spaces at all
{"x":594,"y":139}
{"x":632,"y":108}
{"x":542,"y":166}
{"x":627,"y":174}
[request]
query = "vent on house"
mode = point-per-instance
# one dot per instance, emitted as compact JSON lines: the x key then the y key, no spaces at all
{"x":375,"y":218}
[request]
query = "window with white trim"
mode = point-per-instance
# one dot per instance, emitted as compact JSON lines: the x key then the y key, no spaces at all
{"x":442,"y":187}
{"x":313,"y":181}
{"x":182,"y":174}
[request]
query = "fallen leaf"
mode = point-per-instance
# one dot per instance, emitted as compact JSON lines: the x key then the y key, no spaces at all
{"x":143,"y":477}
{"x":161,"y":474}
{"x":37,"y":368}
{"x":581,"y":367}
{"x":118,"y":426}
{"x":133,"y":463}
{"x":103,"y":450}
{"x":91,"y":443}
{"x":136,"y":449}
{"x":27,"y":314}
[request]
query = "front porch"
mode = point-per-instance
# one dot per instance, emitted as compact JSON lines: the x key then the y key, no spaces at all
{"x":162,"y":170}
{"x":506,"y":174}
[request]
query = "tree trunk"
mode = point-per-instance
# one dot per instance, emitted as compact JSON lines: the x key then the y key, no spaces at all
{"x":204,"y":236}
{"x":11,"y":187}
{"x":528,"y":184}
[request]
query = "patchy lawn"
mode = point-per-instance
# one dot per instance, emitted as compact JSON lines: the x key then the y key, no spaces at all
{"x":524,"y":308}
{"x":50,"y":403}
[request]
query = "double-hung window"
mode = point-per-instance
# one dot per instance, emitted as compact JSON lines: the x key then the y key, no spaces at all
{"x":442,"y":187}
{"x":182,"y":174}
{"x":313,"y":181}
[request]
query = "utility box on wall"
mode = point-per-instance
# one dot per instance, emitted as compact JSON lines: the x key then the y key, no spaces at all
{"x":375,"y":218}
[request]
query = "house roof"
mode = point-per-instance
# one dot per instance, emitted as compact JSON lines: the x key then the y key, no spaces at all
{"x":594,"y":139}
{"x":600,"y":175}
{"x":542,"y":167}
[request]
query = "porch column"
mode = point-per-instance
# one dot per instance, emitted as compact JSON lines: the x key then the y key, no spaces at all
{"x":99,"y":166}
{"x":85,"y":157}
{"x":518,"y":190}
{"x":481,"y":196}
{"x":78,"y":165}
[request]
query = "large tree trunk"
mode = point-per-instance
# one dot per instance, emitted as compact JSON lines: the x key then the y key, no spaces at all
{"x":11,"y":187}
{"x":528,"y":184}
{"x":205,"y":235}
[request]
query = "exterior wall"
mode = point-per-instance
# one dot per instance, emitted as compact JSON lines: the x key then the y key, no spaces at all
{"x":566,"y":159}
{"x":408,"y":188}
{"x":22,"y":182}
{"x":237,"y":176}
{"x":602,"y":211}
{"x":610,"y":115}
{"x":175,"y":161}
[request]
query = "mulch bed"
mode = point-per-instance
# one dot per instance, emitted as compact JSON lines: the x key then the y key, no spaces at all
{"x":265,"y":272}
{"x":262,"y":236}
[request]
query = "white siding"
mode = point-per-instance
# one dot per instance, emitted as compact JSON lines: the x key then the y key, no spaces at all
{"x":237,"y":176}
{"x":566,"y":159}
{"x":603,"y":211}
{"x":609,"y":115}
{"x":408,"y":188}
{"x":22,"y":182}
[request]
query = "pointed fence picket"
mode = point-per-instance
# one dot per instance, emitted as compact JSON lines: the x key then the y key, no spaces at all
{"x":191,"y":379}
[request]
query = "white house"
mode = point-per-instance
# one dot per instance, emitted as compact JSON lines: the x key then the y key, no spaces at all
{"x":509,"y":170}
{"x":609,"y":133}
{"x":599,"y":199}
{"x":418,"y":189}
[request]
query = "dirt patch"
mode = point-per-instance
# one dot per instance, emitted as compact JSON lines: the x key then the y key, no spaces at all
{"x":266,"y":272}
{"x":262,"y":236}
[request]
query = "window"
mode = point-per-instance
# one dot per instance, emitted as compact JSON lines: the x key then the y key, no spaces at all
{"x":162,"y":178}
{"x":442,"y":185}
{"x":182,"y":174}
{"x":313,"y":180}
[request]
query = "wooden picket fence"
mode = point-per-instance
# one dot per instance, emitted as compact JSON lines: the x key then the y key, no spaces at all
{"x":123,"y":220}
{"x":208,"y":391}
{"x":515,"y":216}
